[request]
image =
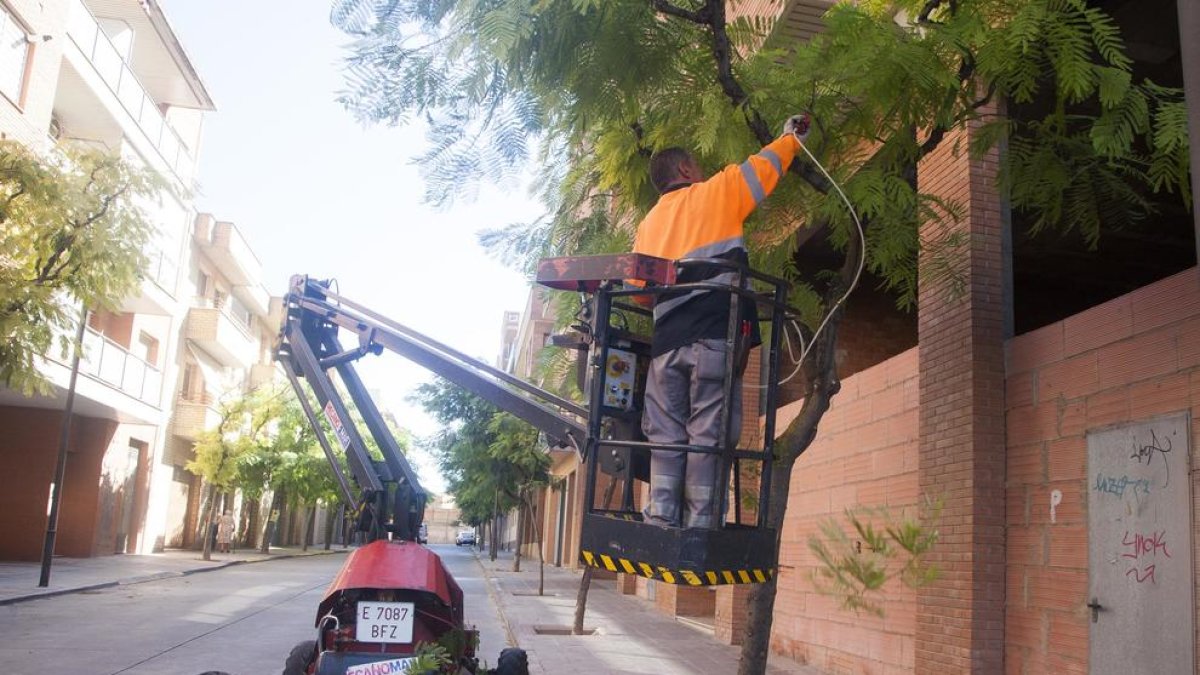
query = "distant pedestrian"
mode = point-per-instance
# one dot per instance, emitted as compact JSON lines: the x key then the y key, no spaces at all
{"x":225,"y":527}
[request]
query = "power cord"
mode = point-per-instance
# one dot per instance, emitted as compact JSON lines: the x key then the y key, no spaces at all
{"x":862,"y":260}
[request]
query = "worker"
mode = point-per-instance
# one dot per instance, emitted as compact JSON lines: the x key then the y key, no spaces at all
{"x":699,"y":218}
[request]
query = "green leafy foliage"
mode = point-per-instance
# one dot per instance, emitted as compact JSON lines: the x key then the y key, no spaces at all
{"x":489,"y":459}
{"x":589,"y":90}
{"x":73,"y":233}
{"x":855,"y":564}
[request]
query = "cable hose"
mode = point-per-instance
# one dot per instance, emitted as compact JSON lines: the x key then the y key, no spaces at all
{"x":862,"y":260}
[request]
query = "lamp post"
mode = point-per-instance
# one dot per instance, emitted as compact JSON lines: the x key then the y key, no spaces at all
{"x":64,"y":441}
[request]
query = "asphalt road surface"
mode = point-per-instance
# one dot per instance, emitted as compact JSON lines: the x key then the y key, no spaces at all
{"x":241,"y":620}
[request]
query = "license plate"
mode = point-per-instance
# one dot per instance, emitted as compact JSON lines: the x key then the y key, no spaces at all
{"x":384,"y":622}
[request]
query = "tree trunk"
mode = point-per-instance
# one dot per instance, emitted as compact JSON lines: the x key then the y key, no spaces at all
{"x":276,"y":504}
{"x":823,"y":385}
{"x":581,"y":599}
{"x":537,"y":541}
{"x":520,"y":540}
{"x":494,"y":539}
{"x":585,"y":583}
{"x":756,"y":641}
{"x":306,"y":535}
{"x":329,"y":521}
{"x":207,"y":526}
{"x":250,"y":522}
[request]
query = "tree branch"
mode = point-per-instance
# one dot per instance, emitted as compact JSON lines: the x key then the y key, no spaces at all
{"x":674,"y":10}
{"x":931,"y":5}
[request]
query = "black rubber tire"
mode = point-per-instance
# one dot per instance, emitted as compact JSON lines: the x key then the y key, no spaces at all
{"x":512,"y":661}
{"x":303,"y":655}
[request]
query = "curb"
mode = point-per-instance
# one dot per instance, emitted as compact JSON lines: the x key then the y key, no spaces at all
{"x":158,"y":576}
{"x":511,"y":637}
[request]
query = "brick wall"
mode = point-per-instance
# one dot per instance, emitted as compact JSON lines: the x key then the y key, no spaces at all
{"x":864,"y":455}
{"x":30,"y":450}
{"x":960,"y":615}
{"x":1134,"y":357}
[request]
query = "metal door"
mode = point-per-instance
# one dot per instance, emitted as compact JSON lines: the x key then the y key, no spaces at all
{"x":1140,"y":548}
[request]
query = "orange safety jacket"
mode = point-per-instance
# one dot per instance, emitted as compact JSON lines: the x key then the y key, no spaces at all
{"x":704,"y":220}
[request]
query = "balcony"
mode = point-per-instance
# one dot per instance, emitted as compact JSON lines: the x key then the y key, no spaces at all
{"x":193,"y":417}
{"x":157,"y":294}
{"x":228,"y":250}
{"x":262,"y":374}
{"x":112,"y":364}
{"x":227,"y":339}
{"x":103,"y":60}
{"x":275,"y":314}
{"x":255,"y":298}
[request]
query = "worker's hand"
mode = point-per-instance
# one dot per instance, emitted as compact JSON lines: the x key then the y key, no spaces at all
{"x":798,"y":126}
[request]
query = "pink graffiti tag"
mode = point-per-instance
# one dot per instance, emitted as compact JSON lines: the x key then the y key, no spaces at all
{"x":1140,"y":547}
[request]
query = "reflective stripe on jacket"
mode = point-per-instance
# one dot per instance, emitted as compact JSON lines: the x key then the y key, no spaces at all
{"x":704,"y":220}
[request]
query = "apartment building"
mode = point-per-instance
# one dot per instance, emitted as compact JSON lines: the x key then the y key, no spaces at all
{"x":225,"y":352}
{"x":110,"y":73}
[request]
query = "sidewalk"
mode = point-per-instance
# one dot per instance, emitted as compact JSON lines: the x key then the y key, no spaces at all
{"x":19,"y":580}
{"x":631,"y":637}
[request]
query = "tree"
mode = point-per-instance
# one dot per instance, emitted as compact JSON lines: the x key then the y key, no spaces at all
{"x":244,"y":427}
{"x":492,"y":460}
{"x":73,"y":233}
{"x":306,"y":477}
{"x":527,"y":464}
{"x":595,"y":87}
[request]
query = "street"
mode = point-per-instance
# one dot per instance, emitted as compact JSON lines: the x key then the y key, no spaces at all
{"x":242,"y":620}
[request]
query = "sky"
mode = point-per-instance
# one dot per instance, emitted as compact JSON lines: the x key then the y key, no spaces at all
{"x":315,"y":192}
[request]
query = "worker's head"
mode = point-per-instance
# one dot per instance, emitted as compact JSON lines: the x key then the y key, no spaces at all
{"x":672,"y":167}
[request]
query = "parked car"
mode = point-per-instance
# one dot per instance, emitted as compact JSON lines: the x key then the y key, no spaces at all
{"x":465,"y":537}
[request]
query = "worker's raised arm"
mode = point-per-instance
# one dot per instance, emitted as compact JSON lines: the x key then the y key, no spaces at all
{"x":743,"y":186}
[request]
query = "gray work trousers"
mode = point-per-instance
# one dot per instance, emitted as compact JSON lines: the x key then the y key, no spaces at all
{"x":684,"y":397}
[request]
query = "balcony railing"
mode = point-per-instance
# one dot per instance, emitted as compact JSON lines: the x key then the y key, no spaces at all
{"x":85,"y":31}
{"x":114,"y":365}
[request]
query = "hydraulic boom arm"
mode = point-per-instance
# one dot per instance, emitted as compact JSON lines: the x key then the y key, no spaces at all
{"x":392,"y":498}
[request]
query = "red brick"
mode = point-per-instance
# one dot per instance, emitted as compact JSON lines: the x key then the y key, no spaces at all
{"x":1068,"y":379}
{"x":1020,"y":390}
{"x":1067,"y":459}
{"x":1108,"y":407}
{"x":1168,"y":394}
{"x":1069,"y":637}
{"x":1026,"y":545}
{"x":1067,"y":546}
{"x":1168,"y":301}
{"x":1026,"y":464}
{"x":1188,"y":338}
{"x":1143,"y":357}
{"x":1032,"y":424}
{"x":1098,"y":326}
{"x":1064,"y":590}
{"x":1025,"y":628}
{"x":1036,"y":348}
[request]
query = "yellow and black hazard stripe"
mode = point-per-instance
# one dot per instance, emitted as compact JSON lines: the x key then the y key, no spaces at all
{"x":604,"y":561}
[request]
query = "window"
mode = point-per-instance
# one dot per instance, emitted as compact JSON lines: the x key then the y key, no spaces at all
{"x":147,"y":348}
{"x":14,"y":55}
{"x":201,"y":285}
